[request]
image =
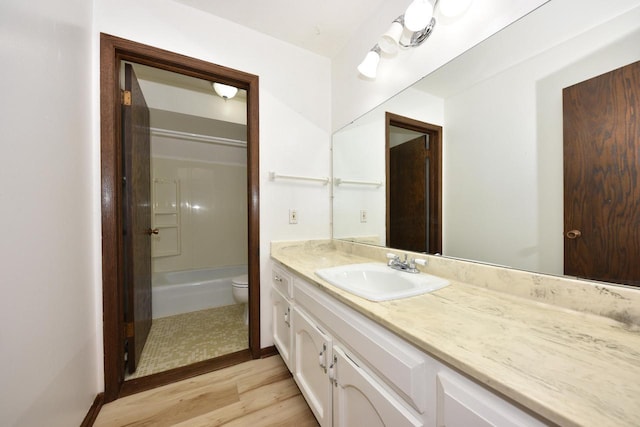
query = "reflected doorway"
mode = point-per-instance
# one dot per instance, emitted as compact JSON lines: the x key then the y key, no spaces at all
{"x":414,"y":185}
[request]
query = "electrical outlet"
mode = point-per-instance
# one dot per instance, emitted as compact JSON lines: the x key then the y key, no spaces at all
{"x":293,"y":216}
{"x":363,"y":216}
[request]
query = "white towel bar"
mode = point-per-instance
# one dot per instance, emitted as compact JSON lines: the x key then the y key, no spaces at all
{"x":339,"y":181}
{"x":273,"y":176}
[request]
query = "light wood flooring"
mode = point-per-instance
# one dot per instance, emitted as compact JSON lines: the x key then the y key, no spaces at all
{"x":256,"y":393}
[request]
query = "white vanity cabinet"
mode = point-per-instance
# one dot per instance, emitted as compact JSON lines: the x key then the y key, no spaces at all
{"x":337,"y":388}
{"x":282,"y":309}
{"x":352,"y":371}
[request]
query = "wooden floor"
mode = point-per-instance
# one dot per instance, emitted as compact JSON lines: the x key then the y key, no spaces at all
{"x":256,"y":393}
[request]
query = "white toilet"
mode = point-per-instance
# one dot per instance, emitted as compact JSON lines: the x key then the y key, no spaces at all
{"x":241,"y":293}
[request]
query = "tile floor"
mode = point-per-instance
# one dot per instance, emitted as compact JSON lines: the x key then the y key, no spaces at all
{"x":187,"y":338}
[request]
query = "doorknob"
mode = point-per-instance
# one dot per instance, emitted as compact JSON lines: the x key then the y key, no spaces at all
{"x":573,"y":234}
{"x":152,"y":231}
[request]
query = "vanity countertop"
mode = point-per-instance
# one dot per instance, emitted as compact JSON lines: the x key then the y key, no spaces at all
{"x":572,"y":368}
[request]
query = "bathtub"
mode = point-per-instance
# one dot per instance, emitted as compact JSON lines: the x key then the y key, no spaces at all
{"x":179,"y":292}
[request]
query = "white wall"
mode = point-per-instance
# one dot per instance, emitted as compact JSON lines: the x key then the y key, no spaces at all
{"x":295,"y":110}
{"x":354,"y":95}
{"x":50,"y":342}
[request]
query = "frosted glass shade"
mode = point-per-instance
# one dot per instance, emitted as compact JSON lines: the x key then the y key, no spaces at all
{"x":418,"y":15}
{"x":389,"y":41}
{"x":369,"y":66}
{"x":225,"y":91}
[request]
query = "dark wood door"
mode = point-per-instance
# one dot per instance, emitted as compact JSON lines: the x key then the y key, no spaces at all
{"x":137,"y":218}
{"x":409,"y":184}
{"x":601,"y":177}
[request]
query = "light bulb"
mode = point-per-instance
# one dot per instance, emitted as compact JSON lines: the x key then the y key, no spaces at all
{"x":418,"y":15}
{"x":368,"y":67}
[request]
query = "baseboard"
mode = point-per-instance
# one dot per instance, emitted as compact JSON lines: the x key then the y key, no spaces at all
{"x":268,"y":351}
{"x":94,"y":410}
{"x":163,"y":378}
{"x":182,"y":373}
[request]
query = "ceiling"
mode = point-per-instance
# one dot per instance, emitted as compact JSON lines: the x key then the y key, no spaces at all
{"x":323,"y":27}
{"x":182,"y":81}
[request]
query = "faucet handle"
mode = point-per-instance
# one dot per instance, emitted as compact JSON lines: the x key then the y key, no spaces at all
{"x":422,"y":262}
{"x":392,"y":256}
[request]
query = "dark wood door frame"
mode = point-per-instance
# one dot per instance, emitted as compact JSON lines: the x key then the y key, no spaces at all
{"x":113,"y":50}
{"x":435,"y":138}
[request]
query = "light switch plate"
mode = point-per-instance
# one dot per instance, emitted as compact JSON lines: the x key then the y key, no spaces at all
{"x":293,"y":216}
{"x":363,"y":216}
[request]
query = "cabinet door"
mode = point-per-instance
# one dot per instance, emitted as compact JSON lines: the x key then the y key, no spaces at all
{"x":359,"y":400}
{"x":282,"y":332}
{"x":311,"y":354}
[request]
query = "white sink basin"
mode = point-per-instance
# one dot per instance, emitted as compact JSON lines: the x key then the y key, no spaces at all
{"x":378,"y":282}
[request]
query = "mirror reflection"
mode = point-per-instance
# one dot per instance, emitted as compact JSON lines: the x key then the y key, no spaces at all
{"x":500,"y":106}
{"x":414,"y":190}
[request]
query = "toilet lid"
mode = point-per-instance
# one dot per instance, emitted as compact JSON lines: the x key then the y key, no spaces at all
{"x":240,"y":281}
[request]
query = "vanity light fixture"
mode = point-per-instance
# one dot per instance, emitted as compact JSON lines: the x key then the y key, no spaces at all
{"x":225,"y":91}
{"x":410,"y":30}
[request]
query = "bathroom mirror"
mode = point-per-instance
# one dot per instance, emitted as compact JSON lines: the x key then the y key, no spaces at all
{"x":500,"y":108}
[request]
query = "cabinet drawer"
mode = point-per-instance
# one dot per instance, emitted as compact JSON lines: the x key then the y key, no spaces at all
{"x":462,"y":403}
{"x":281,"y":280}
{"x":401,"y":366}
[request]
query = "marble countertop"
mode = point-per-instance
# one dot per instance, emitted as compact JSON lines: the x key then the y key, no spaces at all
{"x":570,"y":367}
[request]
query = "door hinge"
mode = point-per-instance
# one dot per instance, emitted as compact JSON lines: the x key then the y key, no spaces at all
{"x":128,"y":330}
{"x":126,"y":97}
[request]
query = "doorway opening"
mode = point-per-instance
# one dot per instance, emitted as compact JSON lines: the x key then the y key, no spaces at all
{"x":189,"y":303}
{"x":117,"y":231}
{"x":414,"y":184}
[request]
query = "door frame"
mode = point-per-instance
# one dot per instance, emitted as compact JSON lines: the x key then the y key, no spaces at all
{"x":113,"y":50}
{"x":435,"y":202}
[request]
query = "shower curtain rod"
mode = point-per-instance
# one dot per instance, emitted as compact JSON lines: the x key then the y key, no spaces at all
{"x":198,"y":137}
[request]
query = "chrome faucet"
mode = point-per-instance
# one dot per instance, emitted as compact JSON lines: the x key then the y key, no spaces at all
{"x":404,"y":265}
